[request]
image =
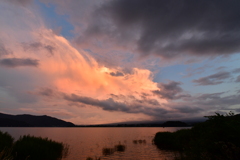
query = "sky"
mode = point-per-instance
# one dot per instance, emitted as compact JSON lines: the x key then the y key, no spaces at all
{"x":111,"y":61}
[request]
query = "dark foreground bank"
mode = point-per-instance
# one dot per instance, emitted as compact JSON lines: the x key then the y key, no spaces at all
{"x":215,"y":139}
{"x":30,"y":148}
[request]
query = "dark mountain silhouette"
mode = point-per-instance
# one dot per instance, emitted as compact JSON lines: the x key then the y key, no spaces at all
{"x":26,"y":120}
{"x":174,"y":124}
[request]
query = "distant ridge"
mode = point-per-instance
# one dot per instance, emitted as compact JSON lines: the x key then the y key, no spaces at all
{"x":26,"y":120}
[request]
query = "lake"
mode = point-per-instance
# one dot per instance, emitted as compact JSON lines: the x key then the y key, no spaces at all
{"x":89,"y":142}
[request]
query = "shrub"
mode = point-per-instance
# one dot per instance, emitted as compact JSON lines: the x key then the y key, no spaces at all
{"x":6,"y":141}
{"x":216,"y":139}
{"x":37,"y":148}
{"x":165,"y":140}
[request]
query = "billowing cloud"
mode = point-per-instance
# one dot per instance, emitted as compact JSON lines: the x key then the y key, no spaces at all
{"x":170,"y":90}
{"x":19,"y":62}
{"x":213,"y":79}
{"x":68,"y":71}
{"x":169,"y":28}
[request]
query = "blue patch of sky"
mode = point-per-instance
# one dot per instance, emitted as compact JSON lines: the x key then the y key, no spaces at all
{"x":205,"y":68}
{"x":173,"y":73}
{"x":55,"y":21}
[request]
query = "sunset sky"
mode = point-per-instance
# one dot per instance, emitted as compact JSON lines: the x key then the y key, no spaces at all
{"x":108,"y":61}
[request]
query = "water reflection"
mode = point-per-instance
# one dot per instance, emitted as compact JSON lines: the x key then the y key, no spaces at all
{"x":116,"y":148}
{"x":109,"y":151}
{"x":136,"y":143}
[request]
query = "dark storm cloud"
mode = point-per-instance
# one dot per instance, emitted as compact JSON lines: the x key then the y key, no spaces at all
{"x":111,"y":104}
{"x":238,"y":79}
{"x":193,"y":105}
{"x":108,"y":104}
{"x":169,"y":28}
{"x":171,"y":90}
{"x":37,"y":45}
{"x":19,"y":62}
{"x":4,"y":50}
{"x":213,"y":79}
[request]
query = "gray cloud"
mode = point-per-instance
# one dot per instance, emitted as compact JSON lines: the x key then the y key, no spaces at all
{"x":188,"y":109}
{"x":108,"y":104}
{"x":238,"y":79}
{"x":208,"y":96}
{"x":111,"y":104}
{"x":213,"y":79}
{"x":19,"y":62}
{"x":20,"y":2}
{"x":116,"y":74}
{"x":220,"y":68}
{"x":171,"y":90}
{"x":237,"y":70}
{"x":207,"y":103}
{"x":220,"y":102}
{"x":170,"y":28}
{"x":37,"y":45}
{"x":195,"y":105}
{"x":46,"y":92}
{"x":4,"y":50}
{"x":144,"y":99}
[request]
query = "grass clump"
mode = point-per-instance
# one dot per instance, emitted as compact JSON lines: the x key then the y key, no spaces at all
{"x":108,"y":151}
{"x":216,"y":139}
{"x":120,"y":148}
{"x":140,"y":141}
{"x":96,"y":158}
{"x":117,"y":148}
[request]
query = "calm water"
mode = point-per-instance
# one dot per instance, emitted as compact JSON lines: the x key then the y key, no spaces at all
{"x":89,"y":142}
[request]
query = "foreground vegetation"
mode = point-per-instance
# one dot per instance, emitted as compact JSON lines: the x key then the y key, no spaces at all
{"x":30,"y":148}
{"x":215,"y":139}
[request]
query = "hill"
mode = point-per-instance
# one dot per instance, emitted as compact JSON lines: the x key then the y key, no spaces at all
{"x":26,"y":120}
